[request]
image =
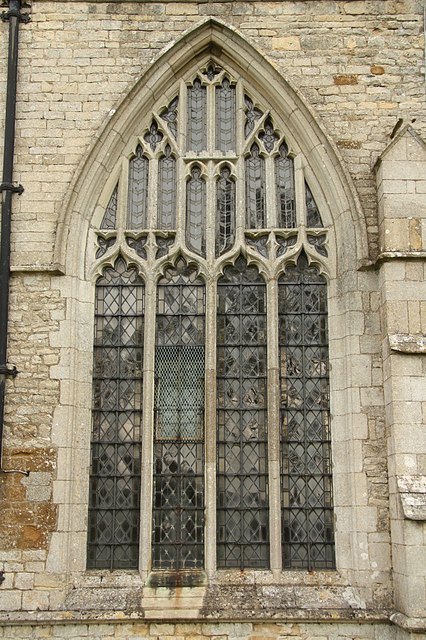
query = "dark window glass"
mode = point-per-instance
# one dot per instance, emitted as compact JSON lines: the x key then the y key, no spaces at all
{"x":110,"y":216}
{"x":284,"y":177}
{"x":178,"y":510}
{"x":197,"y":117}
{"x":312,"y":212}
{"x":252,"y":115}
{"x":167,"y":191}
{"x":138,"y":191}
{"x":242,"y":468}
{"x":196,"y":212}
{"x":307,"y":516}
{"x":114,"y":497}
{"x":225,"y":212}
{"x":255,"y":189}
{"x":225,"y":116}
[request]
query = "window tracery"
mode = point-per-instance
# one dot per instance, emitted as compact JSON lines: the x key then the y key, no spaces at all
{"x":225,"y":233}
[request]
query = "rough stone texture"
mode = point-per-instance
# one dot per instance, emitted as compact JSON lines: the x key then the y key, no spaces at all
{"x":408,"y":343}
{"x":359,"y":66}
{"x":195,"y":631}
{"x":412,"y":490}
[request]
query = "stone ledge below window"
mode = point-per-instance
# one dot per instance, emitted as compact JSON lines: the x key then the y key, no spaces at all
{"x":415,"y":625}
{"x":412,"y":490}
{"x":408,"y":342}
{"x":224,"y":602}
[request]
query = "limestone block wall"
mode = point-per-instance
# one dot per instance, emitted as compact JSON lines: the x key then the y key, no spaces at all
{"x":359,"y":68}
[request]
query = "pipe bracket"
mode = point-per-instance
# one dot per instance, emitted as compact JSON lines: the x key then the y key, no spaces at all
{"x":15,"y":13}
{"x":14,"y":188}
{"x":8,"y":371}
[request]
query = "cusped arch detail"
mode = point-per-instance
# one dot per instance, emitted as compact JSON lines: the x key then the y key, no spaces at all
{"x":213,"y":39}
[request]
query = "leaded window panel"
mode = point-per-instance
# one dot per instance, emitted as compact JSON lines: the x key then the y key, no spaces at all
{"x":196,"y":211}
{"x":255,"y":189}
{"x":284,"y":176}
{"x":225,"y":211}
{"x":242,"y":453}
{"x":307,"y":517}
{"x":167,"y":190}
{"x":197,"y":116}
{"x":178,"y":510}
{"x":114,"y":497}
{"x":138,"y":191}
{"x":213,"y":226}
{"x":225,"y":116}
{"x":110,"y":215}
{"x":312,"y":211}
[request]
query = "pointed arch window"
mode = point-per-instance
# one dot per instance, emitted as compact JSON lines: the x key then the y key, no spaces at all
{"x":214,"y":236}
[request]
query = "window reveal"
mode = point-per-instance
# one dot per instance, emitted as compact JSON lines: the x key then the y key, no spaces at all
{"x":225,"y":187}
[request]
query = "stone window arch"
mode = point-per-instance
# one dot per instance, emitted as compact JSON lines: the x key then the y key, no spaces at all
{"x":211,"y":377}
{"x":96,"y":210}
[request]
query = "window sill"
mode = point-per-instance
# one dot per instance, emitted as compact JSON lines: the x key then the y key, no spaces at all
{"x":102,"y":579}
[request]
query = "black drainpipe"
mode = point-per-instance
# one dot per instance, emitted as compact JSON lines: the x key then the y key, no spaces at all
{"x":7,"y":189}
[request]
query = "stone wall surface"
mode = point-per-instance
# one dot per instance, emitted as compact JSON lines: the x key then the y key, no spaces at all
{"x":360,"y":68}
{"x":196,"y":631}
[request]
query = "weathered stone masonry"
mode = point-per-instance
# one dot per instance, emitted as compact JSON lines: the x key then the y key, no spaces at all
{"x":358,"y":68}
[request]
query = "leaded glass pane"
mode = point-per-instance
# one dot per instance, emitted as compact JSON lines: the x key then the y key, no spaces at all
{"x":167,"y":191}
{"x":137,"y":203}
{"x":153,"y":137}
{"x":252,"y":115}
{"x":268,"y":136}
{"x":197,"y":117}
{"x":113,"y":535}
{"x":212,"y":71}
{"x":312,"y":212}
{"x":169,"y":115}
{"x":242,"y":480}
{"x":104,"y":244}
{"x":178,"y":510}
{"x":225,"y":212}
{"x":255,"y":189}
{"x":109,"y":219}
{"x":307,"y":514}
{"x":284,"y":177}
{"x":225,"y":116}
{"x":196,"y":212}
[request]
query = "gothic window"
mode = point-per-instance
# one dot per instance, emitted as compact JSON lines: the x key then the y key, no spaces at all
{"x":210,"y":383}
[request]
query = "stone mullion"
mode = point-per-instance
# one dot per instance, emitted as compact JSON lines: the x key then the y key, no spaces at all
{"x":181,"y":166}
{"x":299,"y":191}
{"x":240,"y":199}
{"x":211,"y":181}
{"x":152,"y":194}
{"x":270,"y":200}
{"x":123,"y":189}
{"x":210,"y":429}
{"x":147,"y":429}
{"x":239,"y":119}
{"x":211,"y":119}
{"x":273,"y":404}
